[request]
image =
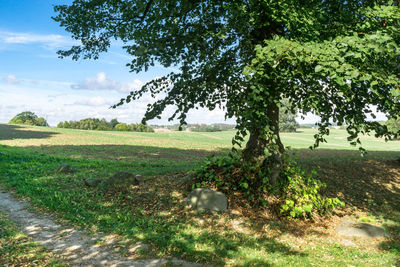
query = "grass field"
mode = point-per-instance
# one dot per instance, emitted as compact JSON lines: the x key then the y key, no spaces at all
{"x":154,"y":213}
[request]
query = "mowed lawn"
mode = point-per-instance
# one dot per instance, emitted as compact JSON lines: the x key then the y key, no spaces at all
{"x":155,"y":212}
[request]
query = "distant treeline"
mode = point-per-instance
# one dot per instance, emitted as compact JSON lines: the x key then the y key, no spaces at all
{"x":103,"y":125}
{"x":216,"y":127}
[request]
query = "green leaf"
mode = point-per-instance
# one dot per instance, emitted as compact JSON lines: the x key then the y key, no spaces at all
{"x":355,"y":74}
{"x":318,"y":68}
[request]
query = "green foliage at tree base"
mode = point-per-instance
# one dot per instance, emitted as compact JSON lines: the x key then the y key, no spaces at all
{"x":28,"y":118}
{"x":301,"y":195}
{"x":298,"y":193}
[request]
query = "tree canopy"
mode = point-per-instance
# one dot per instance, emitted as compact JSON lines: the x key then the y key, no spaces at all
{"x":336,"y":59}
{"x":28,"y":118}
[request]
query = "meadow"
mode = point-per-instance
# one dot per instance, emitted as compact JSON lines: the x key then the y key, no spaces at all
{"x":155,"y":213}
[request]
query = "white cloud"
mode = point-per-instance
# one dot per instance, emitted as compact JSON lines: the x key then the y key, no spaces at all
{"x":51,"y":40}
{"x":96,"y":101}
{"x":11,"y":79}
{"x":102,"y":82}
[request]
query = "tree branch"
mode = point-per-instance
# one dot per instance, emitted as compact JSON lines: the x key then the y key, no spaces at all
{"x":141,"y":18}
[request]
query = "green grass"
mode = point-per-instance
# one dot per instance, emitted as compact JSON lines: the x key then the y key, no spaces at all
{"x":155,"y":212}
{"x":16,"y":249}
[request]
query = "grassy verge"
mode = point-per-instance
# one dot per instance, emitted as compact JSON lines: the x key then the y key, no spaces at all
{"x":16,"y":249}
{"x":154,"y":213}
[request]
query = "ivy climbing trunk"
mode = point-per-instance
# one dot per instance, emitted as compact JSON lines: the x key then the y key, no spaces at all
{"x":259,"y":141}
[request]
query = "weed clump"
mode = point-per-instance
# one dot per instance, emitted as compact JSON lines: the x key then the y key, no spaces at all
{"x":298,"y":193}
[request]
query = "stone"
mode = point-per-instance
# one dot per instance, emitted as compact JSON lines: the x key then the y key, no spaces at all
{"x":124,"y":179}
{"x":139,"y":178}
{"x":206,"y":199}
{"x":357,"y":229}
{"x":138,"y":247}
{"x":64,"y":168}
{"x":92,"y":182}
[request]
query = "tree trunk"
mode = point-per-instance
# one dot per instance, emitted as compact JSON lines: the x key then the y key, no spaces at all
{"x":258,"y":142}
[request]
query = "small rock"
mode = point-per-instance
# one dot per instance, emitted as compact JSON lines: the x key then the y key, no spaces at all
{"x":349,"y":228}
{"x":139,"y":178}
{"x":64,"y":168}
{"x":124,"y":179}
{"x":140,"y":246}
{"x":92,"y":182}
{"x":205,"y":199}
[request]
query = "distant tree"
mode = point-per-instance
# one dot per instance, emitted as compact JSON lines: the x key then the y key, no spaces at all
{"x":113,"y":122}
{"x":121,"y":127}
{"x":28,"y":118}
{"x":103,"y":125}
{"x":393,"y":126}
{"x":204,"y":128}
{"x":134,"y":127}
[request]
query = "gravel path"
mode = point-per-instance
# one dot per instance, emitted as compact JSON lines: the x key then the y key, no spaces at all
{"x":75,"y":247}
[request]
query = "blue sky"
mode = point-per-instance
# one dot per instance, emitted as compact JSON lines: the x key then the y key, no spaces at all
{"x":33,"y":78}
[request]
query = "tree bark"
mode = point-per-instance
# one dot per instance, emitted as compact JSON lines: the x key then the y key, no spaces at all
{"x":258,"y":143}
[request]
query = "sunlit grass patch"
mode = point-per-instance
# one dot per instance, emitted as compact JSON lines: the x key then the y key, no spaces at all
{"x":16,"y":249}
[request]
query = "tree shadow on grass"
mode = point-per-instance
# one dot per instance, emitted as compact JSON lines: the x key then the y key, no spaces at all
{"x":10,"y":132}
{"x":128,"y":152}
{"x":370,"y":184}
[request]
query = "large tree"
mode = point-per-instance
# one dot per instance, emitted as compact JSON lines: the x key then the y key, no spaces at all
{"x":337,"y":59}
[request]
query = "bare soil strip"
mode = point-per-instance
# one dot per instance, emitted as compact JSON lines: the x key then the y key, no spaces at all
{"x":75,"y":247}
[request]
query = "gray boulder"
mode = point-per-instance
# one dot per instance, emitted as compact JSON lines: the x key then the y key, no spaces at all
{"x":64,"y":168}
{"x":350,"y":229}
{"x":139,"y":178}
{"x":206,"y":199}
{"x":124,"y":179}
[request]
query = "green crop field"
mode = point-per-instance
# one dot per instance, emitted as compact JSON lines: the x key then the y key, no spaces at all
{"x":155,"y":212}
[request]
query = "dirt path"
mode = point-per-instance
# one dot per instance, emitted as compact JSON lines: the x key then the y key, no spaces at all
{"x":76,"y":247}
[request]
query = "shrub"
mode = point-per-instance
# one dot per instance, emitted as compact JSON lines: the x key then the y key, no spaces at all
{"x":298,"y":193}
{"x":28,"y":118}
{"x":121,"y":127}
{"x":301,"y":194}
